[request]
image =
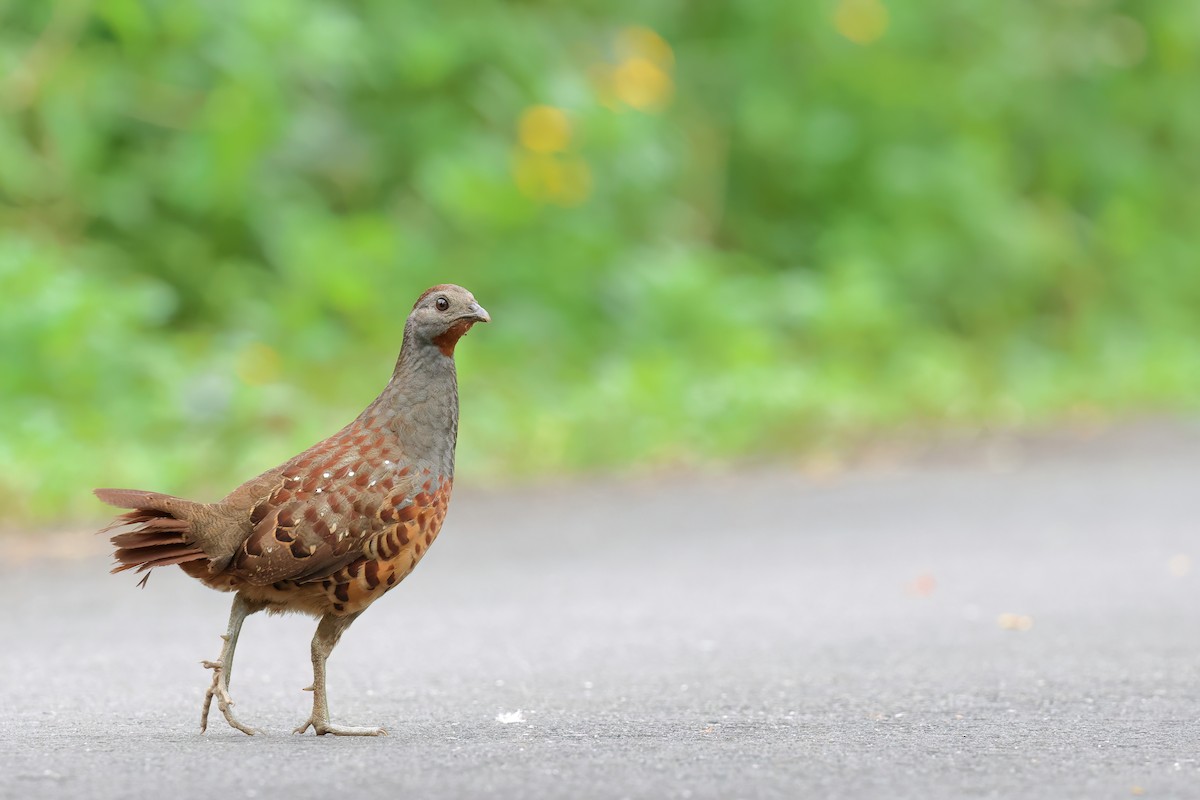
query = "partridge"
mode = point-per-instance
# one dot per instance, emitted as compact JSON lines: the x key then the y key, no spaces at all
{"x":331,"y":530}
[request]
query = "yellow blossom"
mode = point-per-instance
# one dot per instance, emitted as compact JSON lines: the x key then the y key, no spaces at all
{"x":544,"y":129}
{"x":861,"y":21}
{"x":642,"y":84}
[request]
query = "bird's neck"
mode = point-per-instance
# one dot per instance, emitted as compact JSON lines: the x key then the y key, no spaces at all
{"x":420,"y":405}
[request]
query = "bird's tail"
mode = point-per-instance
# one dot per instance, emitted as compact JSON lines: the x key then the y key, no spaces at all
{"x":161,"y":536}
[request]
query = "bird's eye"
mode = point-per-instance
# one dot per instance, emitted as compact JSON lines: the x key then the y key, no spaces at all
{"x":442,"y":304}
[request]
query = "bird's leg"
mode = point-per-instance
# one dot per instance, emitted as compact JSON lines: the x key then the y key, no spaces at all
{"x":223,"y":667}
{"x":329,"y":630}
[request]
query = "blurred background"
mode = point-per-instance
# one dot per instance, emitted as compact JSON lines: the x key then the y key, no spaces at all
{"x":707,"y":232}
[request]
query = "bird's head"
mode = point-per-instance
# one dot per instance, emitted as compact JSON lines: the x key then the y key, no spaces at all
{"x":443,"y":314}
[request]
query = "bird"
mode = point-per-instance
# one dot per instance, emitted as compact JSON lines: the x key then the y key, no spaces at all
{"x":331,"y":530}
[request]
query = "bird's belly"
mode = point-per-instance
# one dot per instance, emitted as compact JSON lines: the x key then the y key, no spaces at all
{"x":361,"y":582}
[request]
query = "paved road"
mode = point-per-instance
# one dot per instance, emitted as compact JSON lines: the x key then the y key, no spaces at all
{"x":767,"y":635}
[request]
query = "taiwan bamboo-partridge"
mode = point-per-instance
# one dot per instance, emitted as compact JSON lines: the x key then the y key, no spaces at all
{"x":331,"y":530}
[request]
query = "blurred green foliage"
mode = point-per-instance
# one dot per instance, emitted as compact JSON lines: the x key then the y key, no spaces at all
{"x":704,"y":230}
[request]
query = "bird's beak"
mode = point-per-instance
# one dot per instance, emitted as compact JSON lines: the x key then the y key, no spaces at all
{"x":479,"y":313}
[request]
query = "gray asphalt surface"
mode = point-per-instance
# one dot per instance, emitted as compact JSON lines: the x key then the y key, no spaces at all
{"x":766,"y":635}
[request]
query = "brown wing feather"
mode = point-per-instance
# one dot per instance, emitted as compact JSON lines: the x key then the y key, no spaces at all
{"x":323,"y":513}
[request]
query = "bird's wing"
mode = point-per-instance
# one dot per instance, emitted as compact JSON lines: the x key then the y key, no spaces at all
{"x":317,"y":518}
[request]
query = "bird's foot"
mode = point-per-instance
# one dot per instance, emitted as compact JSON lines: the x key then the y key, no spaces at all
{"x":322,"y":727}
{"x":224,"y":701}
